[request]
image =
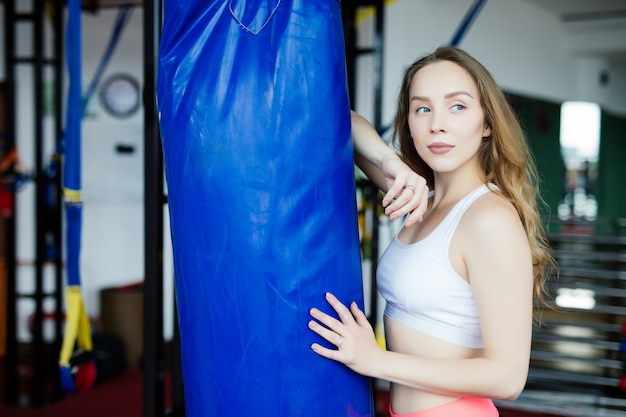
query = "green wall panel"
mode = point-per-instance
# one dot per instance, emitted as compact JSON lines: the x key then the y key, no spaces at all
{"x":611,"y":187}
{"x":541,"y":121}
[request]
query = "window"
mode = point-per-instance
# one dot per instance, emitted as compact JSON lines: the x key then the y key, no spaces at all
{"x":580,"y":141}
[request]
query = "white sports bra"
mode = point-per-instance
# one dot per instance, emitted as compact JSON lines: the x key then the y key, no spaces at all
{"x":422,"y":289}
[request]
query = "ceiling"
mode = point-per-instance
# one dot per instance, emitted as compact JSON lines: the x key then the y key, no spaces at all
{"x":95,"y":5}
{"x":585,"y":9}
{"x":593,"y":27}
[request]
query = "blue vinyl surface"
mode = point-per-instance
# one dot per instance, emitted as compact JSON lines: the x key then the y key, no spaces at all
{"x":255,"y":123}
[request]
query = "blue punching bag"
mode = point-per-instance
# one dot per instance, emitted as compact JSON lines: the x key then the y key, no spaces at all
{"x":255,"y":124}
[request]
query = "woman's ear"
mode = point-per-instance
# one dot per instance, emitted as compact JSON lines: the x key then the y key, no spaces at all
{"x":487,"y":131}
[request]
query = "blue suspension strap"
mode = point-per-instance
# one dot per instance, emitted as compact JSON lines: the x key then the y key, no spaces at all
{"x":77,"y":367}
{"x":123,"y":16}
{"x":467,"y":21}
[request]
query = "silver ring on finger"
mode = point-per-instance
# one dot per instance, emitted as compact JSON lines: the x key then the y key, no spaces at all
{"x":339,"y":342}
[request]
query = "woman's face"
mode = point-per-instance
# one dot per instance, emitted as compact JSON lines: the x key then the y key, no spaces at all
{"x":446,"y":118}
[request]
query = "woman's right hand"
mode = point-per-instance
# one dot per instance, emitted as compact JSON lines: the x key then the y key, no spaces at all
{"x":407,"y":192}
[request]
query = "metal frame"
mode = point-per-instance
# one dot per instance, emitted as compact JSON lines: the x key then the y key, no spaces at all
{"x":154,"y":345}
{"x":353,"y":52}
{"x":46,"y":222}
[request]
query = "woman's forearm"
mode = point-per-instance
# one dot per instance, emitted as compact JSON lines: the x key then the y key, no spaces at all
{"x":370,"y":150}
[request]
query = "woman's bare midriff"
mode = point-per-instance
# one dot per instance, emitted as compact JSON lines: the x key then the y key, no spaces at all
{"x":405,"y":399}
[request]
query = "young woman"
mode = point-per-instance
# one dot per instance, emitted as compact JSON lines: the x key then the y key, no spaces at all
{"x":459,"y":285}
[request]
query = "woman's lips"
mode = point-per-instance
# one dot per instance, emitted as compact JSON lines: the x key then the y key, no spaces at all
{"x":440,"y":148}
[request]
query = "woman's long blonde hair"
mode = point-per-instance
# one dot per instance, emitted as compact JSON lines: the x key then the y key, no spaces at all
{"x":505,"y":157}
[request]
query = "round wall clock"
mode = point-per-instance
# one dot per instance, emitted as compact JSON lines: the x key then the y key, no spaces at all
{"x":120,"y":95}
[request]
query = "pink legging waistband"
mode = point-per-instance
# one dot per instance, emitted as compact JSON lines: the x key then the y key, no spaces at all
{"x":465,"y":407}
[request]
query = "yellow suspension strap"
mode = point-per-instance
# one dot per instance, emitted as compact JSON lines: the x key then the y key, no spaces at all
{"x":76,"y":363}
{"x":77,"y":367}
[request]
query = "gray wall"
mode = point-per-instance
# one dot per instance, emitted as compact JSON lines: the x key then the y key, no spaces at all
{"x":528,"y":50}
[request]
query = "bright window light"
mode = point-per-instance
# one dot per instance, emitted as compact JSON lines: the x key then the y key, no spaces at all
{"x":579,"y":298}
{"x":580,"y":132}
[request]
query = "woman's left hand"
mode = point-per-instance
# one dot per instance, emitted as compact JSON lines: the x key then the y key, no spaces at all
{"x":352,"y":334}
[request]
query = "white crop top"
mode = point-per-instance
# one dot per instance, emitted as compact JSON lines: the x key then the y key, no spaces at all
{"x":422,"y":289}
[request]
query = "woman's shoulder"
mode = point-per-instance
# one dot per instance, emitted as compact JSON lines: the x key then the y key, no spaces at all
{"x":491,"y":213}
{"x":492,"y":228}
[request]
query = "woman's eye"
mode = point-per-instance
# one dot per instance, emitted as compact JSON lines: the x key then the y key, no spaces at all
{"x":458,"y":107}
{"x":422,"y":110}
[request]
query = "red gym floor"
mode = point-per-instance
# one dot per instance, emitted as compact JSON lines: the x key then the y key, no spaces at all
{"x":122,"y":396}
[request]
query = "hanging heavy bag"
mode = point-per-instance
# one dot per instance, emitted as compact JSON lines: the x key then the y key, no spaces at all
{"x":255,"y":123}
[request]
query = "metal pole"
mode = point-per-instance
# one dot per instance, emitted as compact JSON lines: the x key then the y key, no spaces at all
{"x":57,"y":218}
{"x":378,"y":65}
{"x":11,"y":375}
{"x":39,"y":355}
{"x":153,"y":221}
{"x":467,"y":21}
